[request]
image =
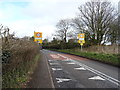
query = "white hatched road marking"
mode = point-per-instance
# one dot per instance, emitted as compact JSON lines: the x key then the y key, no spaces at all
{"x":81,"y":68}
{"x":66,"y":60}
{"x":50,"y":60}
{"x":54,"y":56}
{"x":97,"y":78}
{"x":71,"y":63}
{"x":56,"y":69}
{"x":54,"y":63}
{"x":62,"y":80}
{"x":64,"y":57}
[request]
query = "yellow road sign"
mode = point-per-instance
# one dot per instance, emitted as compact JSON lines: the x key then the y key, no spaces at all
{"x":38,"y":37}
{"x":81,"y":44}
{"x":81,"y":41}
{"x":38,"y":40}
{"x":38,"y":34}
{"x":81,"y":35}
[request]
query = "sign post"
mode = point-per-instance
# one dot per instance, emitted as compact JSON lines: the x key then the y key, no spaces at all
{"x":81,"y":37}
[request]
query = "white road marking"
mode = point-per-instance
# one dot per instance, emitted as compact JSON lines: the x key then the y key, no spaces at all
{"x":96,"y":78}
{"x":64,"y":57}
{"x":62,"y":80}
{"x":50,"y":60}
{"x":113,"y":80}
{"x":66,"y":60}
{"x":54,"y":56}
{"x":109,"y":78}
{"x":71,"y":63}
{"x":54,"y":63}
{"x":50,"y":76}
{"x":81,"y":68}
{"x":56,"y":69}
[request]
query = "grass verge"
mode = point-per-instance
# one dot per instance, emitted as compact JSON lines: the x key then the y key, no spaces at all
{"x":105,"y":58}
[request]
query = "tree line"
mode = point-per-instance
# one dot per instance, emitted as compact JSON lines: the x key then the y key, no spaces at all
{"x":97,"y":19}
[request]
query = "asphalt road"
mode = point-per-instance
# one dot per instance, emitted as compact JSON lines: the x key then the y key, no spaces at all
{"x":69,"y":71}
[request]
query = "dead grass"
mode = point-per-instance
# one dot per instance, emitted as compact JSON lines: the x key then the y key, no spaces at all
{"x":22,"y":54}
{"x":114,"y":49}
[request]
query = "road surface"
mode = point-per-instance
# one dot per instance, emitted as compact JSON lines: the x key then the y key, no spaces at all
{"x":69,"y":71}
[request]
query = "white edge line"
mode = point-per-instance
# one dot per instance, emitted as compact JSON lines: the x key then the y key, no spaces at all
{"x":49,"y":73}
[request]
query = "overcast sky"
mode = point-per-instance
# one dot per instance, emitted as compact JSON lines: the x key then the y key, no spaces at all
{"x":26,"y":16}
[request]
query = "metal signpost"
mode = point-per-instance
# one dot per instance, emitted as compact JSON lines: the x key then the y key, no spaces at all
{"x":81,"y":37}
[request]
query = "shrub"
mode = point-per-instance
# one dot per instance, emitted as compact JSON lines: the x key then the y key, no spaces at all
{"x":17,"y":61}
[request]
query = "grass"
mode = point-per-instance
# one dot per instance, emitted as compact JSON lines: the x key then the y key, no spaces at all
{"x":106,"y":58}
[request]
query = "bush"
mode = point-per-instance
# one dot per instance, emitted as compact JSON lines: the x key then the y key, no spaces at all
{"x":18,"y":59}
{"x":61,"y":46}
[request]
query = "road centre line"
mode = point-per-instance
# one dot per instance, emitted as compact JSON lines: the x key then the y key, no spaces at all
{"x":113,"y":80}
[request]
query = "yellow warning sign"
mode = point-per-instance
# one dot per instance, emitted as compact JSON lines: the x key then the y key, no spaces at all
{"x":81,"y":41}
{"x":38,"y":34}
{"x":38,"y":40}
{"x":38,"y":37}
{"x":81,"y":35}
{"x":81,"y":44}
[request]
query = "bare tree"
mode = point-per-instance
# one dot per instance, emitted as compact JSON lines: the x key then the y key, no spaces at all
{"x":63,"y":29}
{"x":96,"y":18}
{"x":113,"y":35}
{"x":1,"y":28}
{"x":76,"y":24}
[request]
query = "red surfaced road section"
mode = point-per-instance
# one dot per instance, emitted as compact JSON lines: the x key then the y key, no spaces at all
{"x":74,"y":57}
{"x":56,"y":57}
{"x":65,"y":57}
